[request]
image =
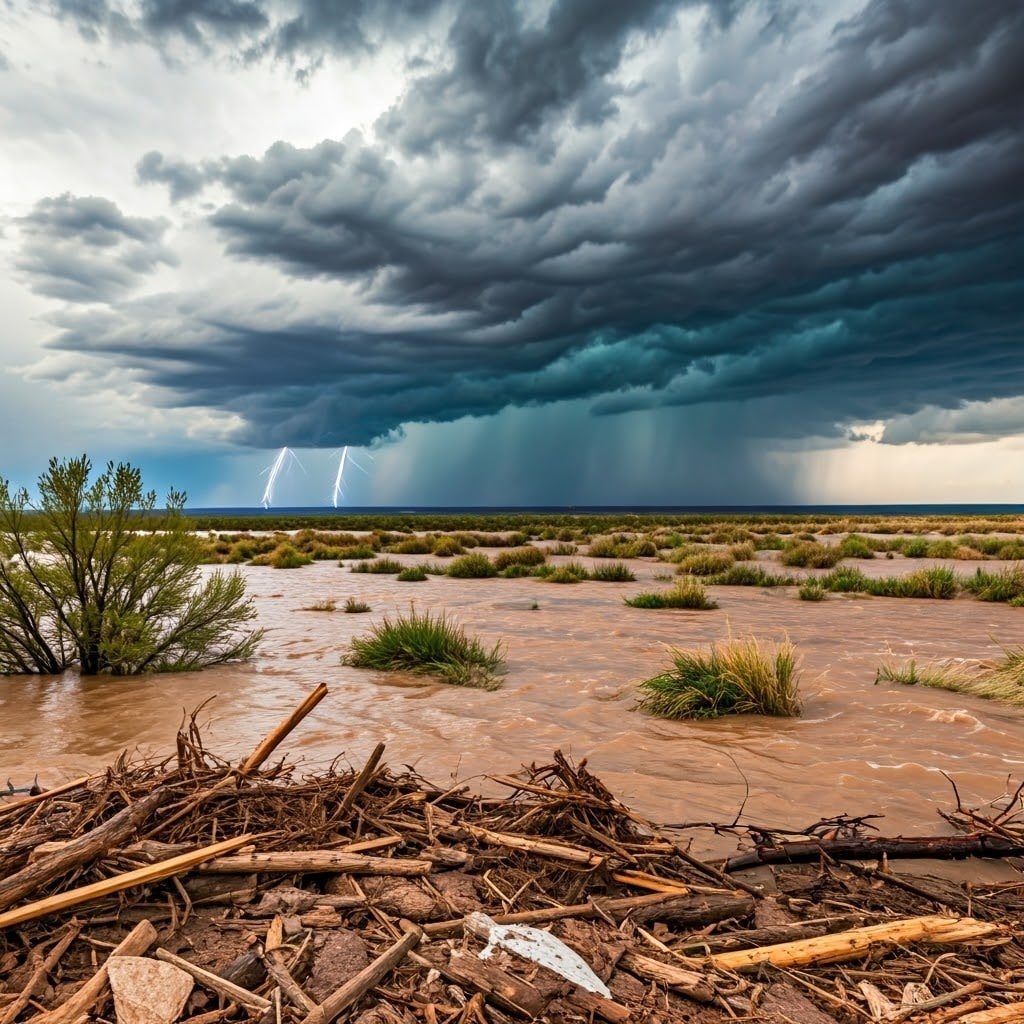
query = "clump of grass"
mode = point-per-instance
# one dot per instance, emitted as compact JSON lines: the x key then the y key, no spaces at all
{"x":750,"y":576}
{"x":379,"y":565}
{"x":354,"y":607}
{"x":812,"y":590}
{"x":908,"y":673}
{"x":809,"y":554}
{"x":1006,"y":585}
{"x":845,"y":579}
{"x":328,"y":605}
{"x":447,"y":547}
{"x":738,"y":677}
{"x":687,"y":593}
{"x":519,"y":556}
{"x":412,"y":574}
{"x":939,"y":583}
{"x":430,"y":645}
{"x":411,"y":546}
{"x":916,"y":547}
{"x":855,"y":546}
{"x":563,"y":548}
{"x":614,"y":572}
{"x":475,"y":565}
{"x":358,"y":551}
{"x":517,"y":571}
{"x":569,"y":572}
{"x":1003,"y":681}
{"x":284,"y":556}
{"x":744,"y":552}
{"x":707,"y":563}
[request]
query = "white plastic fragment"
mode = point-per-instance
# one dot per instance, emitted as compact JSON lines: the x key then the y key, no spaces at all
{"x":147,"y":991}
{"x":535,"y":945}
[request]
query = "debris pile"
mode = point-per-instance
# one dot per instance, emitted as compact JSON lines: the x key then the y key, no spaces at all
{"x":198,"y":891}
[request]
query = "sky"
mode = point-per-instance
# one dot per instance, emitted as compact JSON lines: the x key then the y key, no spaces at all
{"x":538,"y":252}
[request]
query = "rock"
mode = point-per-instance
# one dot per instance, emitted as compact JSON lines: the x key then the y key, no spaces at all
{"x":147,"y":991}
{"x":342,"y":956}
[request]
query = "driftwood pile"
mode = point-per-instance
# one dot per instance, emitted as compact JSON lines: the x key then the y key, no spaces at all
{"x":359,"y":896}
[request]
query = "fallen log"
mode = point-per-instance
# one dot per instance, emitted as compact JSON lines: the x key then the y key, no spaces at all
{"x":126,"y":880}
{"x":690,"y":983}
{"x":875,"y":847}
{"x":848,"y":945}
{"x":288,"y":862}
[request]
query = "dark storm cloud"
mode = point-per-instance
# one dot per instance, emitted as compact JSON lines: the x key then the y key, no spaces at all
{"x":531,"y":224}
{"x":181,"y":178}
{"x":84,"y":249}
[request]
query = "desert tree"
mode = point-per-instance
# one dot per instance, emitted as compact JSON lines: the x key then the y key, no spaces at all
{"x":93,"y":575}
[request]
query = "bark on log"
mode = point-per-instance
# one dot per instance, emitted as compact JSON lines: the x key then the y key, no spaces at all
{"x":848,"y":945}
{"x":872,"y":848}
{"x":95,"y":843}
{"x":690,"y":983}
{"x":317,"y":862}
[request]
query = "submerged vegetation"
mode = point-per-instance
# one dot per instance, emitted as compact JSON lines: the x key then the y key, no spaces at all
{"x":1003,"y":680}
{"x":687,"y":593}
{"x":430,"y":645}
{"x":734,"y":677}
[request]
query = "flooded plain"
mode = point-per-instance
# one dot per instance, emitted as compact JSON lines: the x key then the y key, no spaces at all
{"x":575,"y":654}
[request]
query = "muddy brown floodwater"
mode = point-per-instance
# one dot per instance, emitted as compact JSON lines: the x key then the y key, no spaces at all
{"x":573,"y":663}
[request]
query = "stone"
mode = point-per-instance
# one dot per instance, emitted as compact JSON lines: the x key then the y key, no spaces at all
{"x":147,"y":991}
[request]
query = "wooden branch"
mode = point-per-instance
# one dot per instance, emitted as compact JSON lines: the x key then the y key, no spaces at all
{"x":39,"y":974}
{"x":353,"y":989}
{"x":274,"y":738}
{"x":273,"y":960}
{"x":215,"y":983}
{"x":690,"y":983}
{"x":508,"y":991}
{"x":361,"y":782}
{"x":94,"y":843}
{"x":848,"y":945}
{"x":1004,"y":1014}
{"x":135,"y":943}
{"x":317,"y":862}
{"x":874,"y":847}
{"x":140,"y":876}
{"x":560,"y":851}
{"x":686,"y":911}
{"x":47,"y":794}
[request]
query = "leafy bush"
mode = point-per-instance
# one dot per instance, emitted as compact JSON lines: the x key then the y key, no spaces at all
{"x":472,"y":566}
{"x":427,"y":644}
{"x":518,"y":556}
{"x":92,"y":576}
{"x":738,"y":677}
{"x":687,"y":593}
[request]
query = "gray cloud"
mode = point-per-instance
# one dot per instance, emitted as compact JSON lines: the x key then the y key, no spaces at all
{"x":749,"y":216}
{"x":84,"y":249}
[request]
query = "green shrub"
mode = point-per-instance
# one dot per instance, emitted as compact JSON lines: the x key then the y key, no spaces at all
{"x":412,"y":574}
{"x":362,"y":551}
{"x":687,"y":593}
{"x":286,"y":557}
{"x":563,"y":548}
{"x":517,"y":571}
{"x":812,"y":590}
{"x":353,"y":606}
{"x":938,"y":583}
{"x":518,"y":556}
{"x":743,"y":552}
{"x":738,"y":677}
{"x":446,"y":547}
{"x":615,"y":572}
{"x":708,"y":563}
{"x":942,"y":549}
{"x":427,"y":644}
{"x":644,"y":548}
{"x":811,"y":555}
{"x":472,"y":566}
{"x":411,"y":546}
{"x":603,"y":547}
{"x":854,"y":546}
{"x":916,"y":547}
